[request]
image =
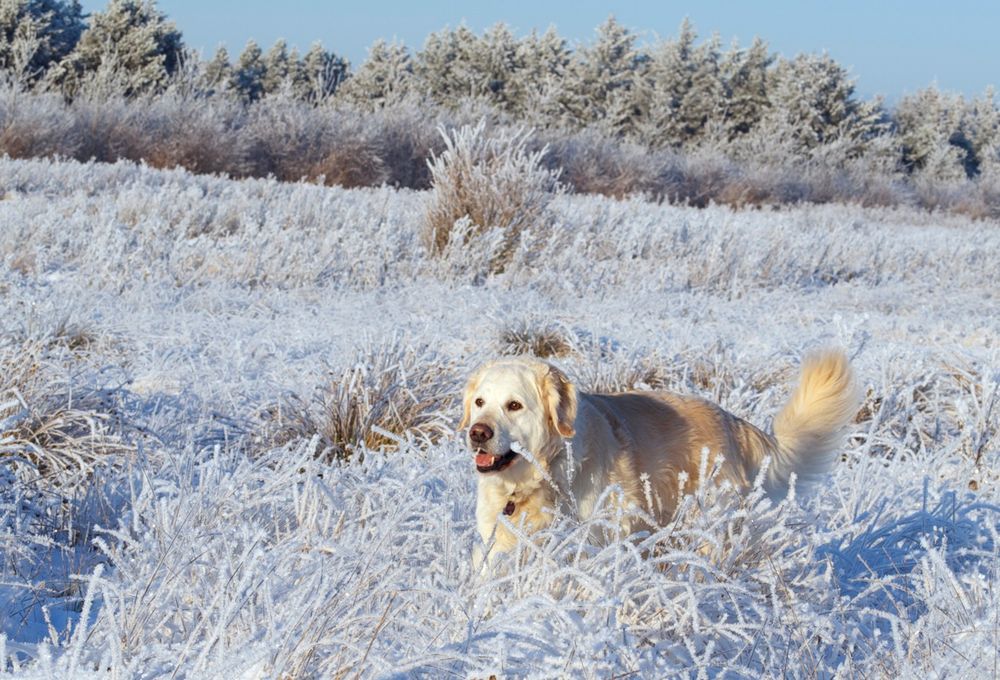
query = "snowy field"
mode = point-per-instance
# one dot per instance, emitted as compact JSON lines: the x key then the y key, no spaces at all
{"x":174,"y":346}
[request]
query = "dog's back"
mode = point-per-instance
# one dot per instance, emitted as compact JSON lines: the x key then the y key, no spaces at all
{"x":665,"y":434}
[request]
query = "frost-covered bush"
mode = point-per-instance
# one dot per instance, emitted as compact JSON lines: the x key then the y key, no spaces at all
{"x":407,"y":138}
{"x":294,"y":142}
{"x":390,"y":393}
{"x":591,"y":162}
{"x":175,"y":130}
{"x":493,"y":180}
{"x":35,"y":125}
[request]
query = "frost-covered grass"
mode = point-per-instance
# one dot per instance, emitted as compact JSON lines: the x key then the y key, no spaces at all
{"x":223,"y":338}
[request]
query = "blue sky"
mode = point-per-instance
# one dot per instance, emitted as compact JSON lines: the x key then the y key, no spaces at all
{"x":892,"y":47}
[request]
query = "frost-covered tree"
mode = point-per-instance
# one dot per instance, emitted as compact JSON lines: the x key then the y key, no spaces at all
{"x":681,"y":90}
{"x":249,"y":72}
{"x":279,"y":67}
{"x":319,"y":74}
{"x":442,"y":66}
{"x":492,"y":68}
{"x":745,"y":74}
{"x":538,"y":81}
{"x":496,"y":67}
{"x":929,"y":125}
{"x":133,"y":39}
{"x":704,"y":100}
{"x":982,"y":130}
{"x":814,"y":96}
{"x":385,"y":78}
{"x":217,"y":72}
{"x":36,"y":34}
{"x":601,"y":80}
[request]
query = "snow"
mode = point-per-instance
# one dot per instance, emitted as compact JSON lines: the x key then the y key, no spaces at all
{"x":214,"y":550}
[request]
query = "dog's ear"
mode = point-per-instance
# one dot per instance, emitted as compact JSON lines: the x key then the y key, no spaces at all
{"x":559,"y":396}
{"x":470,"y":387}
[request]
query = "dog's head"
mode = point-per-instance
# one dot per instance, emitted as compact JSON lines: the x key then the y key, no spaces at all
{"x":518,"y":403}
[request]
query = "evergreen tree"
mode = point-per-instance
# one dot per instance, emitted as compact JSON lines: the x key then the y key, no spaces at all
{"x":442,"y":67}
{"x":929,"y":125}
{"x":815,"y":96}
{"x":37,"y":34}
{"x":745,"y":74}
{"x":319,"y":74}
{"x":601,"y":81}
{"x":133,"y":38}
{"x":681,"y":90}
{"x":384,"y":79}
{"x":492,"y":68}
{"x":217,"y":72}
{"x":704,"y":100}
{"x":982,"y":129}
{"x":537,"y":84}
{"x":278,"y":67}
{"x":458,"y":65}
{"x":249,"y":72}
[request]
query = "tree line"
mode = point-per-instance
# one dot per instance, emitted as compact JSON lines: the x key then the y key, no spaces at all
{"x":681,"y":94}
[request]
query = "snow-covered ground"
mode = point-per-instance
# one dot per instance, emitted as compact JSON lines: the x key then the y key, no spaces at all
{"x":197,"y":328}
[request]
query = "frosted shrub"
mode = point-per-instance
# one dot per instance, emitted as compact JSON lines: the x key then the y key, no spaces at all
{"x":198,"y":133}
{"x":108,"y":127}
{"x":293,"y":141}
{"x":592,"y":162}
{"x":407,"y":138}
{"x":494,"y":180}
{"x":988,"y":190}
{"x":34,"y":125}
{"x":390,"y":390}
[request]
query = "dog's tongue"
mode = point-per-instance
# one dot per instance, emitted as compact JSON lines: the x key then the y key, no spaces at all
{"x":484,"y":459}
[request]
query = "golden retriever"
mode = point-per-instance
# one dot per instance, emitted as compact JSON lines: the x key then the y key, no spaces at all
{"x":540,"y":444}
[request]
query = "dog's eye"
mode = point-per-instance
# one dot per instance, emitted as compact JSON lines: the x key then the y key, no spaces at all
{"x":514,"y":406}
{"x":479,"y":402}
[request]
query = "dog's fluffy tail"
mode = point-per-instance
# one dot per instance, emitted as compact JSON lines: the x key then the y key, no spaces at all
{"x":809,"y":429}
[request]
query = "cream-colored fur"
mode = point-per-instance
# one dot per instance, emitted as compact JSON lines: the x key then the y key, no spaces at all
{"x":574,"y":445}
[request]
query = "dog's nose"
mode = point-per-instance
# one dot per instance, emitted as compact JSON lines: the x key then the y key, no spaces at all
{"x":480,"y":433}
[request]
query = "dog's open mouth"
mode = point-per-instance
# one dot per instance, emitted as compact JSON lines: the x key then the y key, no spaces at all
{"x":487,"y":462}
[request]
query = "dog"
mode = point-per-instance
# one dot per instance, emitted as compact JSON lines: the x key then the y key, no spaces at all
{"x":541,"y":444}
